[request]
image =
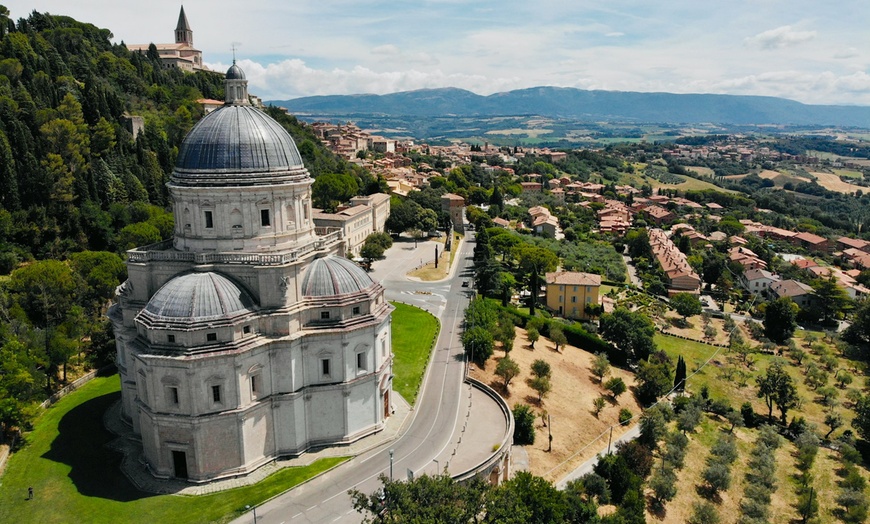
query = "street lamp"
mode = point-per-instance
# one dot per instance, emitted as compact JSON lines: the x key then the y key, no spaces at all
{"x":438,"y":465}
{"x":391,"y":464}
{"x":247,"y":506}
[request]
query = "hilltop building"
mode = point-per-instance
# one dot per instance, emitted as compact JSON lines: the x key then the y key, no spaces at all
{"x":181,"y":54}
{"x":247,"y":336}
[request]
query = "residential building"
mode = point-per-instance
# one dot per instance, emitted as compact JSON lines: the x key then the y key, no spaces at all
{"x":757,"y":281}
{"x":813,"y":242}
{"x":844,"y":243}
{"x":800,"y":293}
{"x":681,"y":277}
{"x":568,"y":293}
{"x":379,"y":203}
{"x":659,"y":215}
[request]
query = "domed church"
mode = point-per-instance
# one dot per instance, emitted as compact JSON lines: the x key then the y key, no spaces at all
{"x":247,"y":336}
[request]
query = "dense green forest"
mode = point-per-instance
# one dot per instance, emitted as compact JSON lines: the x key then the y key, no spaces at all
{"x":77,"y":190}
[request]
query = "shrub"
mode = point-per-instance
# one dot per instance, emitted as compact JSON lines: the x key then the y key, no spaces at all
{"x":749,"y":416}
{"x":541,"y":368}
{"x":717,"y":476}
{"x":524,"y":425}
{"x":725,"y":448}
{"x":616,"y":386}
{"x":704,"y":513}
{"x":664,"y":485}
{"x":598,"y":404}
{"x":625,"y":416}
{"x":595,"y":486}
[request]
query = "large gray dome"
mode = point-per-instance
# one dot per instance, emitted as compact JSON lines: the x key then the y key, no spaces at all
{"x":198,"y":297}
{"x":237,"y":145}
{"x":333,"y":275}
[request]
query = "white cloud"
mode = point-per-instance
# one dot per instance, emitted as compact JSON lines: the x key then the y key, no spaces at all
{"x":849,"y":52}
{"x":387,"y":49}
{"x":293,"y":78}
{"x":310,"y":47}
{"x":783,"y":36}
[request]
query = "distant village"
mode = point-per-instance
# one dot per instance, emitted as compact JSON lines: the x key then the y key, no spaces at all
{"x":667,"y":217}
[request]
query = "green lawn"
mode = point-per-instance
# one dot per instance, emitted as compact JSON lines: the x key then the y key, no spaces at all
{"x":414,"y":332}
{"x":75,"y":478}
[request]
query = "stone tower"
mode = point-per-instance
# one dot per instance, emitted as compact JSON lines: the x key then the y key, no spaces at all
{"x":183,"y":33}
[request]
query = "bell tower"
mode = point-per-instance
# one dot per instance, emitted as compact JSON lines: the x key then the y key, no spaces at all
{"x":183,"y":33}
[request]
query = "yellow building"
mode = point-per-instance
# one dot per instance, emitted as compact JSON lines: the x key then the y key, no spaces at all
{"x":569,"y":292}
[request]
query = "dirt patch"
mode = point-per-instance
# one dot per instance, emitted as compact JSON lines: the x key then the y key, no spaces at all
{"x":832,"y":182}
{"x":577,"y":434}
{"x":428,"y":272}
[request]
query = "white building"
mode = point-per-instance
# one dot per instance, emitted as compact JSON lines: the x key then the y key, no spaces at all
{"x":758,"y":281}
{"x":247,"y":336}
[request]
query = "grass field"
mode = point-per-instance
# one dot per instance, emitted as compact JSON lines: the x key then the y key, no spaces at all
{"x":75,"y":478}
{"x":849,"y":173}
{"x":414,"y":332}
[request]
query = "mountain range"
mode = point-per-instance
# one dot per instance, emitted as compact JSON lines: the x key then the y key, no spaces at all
{"x":611,"y":106}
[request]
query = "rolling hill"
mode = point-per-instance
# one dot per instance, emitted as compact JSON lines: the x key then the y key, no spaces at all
{"x":613,"y":106}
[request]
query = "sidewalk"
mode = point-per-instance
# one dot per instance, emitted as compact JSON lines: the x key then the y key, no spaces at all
{"x":133,"y":465}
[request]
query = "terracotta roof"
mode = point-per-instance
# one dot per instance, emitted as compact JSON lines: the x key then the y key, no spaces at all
{"x":810,"y":238}
{"x":790,"y":288}
{"x":573,"y":278}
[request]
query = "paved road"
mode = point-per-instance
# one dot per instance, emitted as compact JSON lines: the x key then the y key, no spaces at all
{"x":434,"y":418}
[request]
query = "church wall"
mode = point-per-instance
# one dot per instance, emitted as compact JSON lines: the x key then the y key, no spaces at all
{"x":151,"y":445}
{"x":290,"y":424}
{"x":284,"y":369}
{"x":258,"y":432}
{"x":326,"y":413}
{"x":361,"y":408}
{"x":217,"y":444}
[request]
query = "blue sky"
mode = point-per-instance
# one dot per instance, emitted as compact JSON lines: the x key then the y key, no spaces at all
{"x":810,"y":51}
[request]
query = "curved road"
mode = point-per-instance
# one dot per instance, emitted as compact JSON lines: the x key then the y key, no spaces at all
{"x":433,"y":418}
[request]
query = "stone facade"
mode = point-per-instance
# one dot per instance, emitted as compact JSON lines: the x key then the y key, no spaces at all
{"x":247,"y":336}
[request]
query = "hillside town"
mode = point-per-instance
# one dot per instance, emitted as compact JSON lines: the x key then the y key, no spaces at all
{"x":214,"y":310}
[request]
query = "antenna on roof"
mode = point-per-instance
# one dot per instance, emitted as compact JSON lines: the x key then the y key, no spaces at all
{"x":235,"y":46}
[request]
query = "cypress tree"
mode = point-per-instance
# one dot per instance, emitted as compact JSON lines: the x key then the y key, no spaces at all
{"x":680,"y":375}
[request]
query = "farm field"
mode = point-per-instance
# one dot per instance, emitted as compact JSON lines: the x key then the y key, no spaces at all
{"x":733,"y":377}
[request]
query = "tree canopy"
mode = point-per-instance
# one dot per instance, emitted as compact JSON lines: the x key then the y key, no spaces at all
{"x":630,"y":331}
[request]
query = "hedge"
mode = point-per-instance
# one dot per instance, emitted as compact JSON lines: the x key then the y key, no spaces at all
{"x":576,"y":335}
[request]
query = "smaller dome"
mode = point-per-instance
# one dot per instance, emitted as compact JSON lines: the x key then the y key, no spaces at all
{"x":197,"y":297}
{"x":235,"y":72}
{"x":333,"y":275}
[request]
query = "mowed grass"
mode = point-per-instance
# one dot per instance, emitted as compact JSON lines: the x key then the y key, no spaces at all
{"x":414,"y":332}
{"x":76,"y":478}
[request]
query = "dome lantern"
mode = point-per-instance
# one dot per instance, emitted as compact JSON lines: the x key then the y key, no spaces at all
{"x":236,"y":86}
